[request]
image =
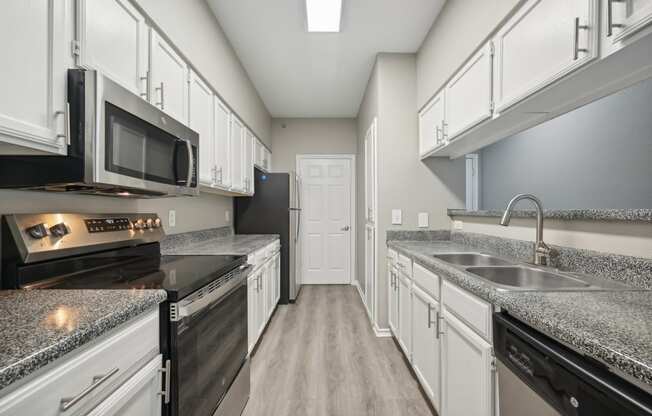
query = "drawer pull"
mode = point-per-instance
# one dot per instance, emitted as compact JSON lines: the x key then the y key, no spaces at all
{"x":69,"y":402}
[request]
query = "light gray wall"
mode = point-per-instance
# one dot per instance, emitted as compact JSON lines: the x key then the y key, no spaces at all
{"x":293,"y":136}
{"x":194,"y":30}
{"x":461,"y":27}
{"x":404,"y":182}
{"x":598,"y":156}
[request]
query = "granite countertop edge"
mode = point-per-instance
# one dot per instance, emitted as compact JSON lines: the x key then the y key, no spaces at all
{"x":38,"y":359}
{"x":606,"y":215}
{"x":588,"y":345}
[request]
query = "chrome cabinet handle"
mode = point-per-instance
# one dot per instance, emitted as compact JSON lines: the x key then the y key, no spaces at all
{"x":68,"y":402}
{"x":346,"y":228}
{"x":66,"y":123}
{"x":191,"y":163}
{"x":438,"y":131}
{"x":438,"y":329}
{"x":576,"y":38}
{"x":145,"y":94}
{"x":429,"y":315}
{"x":444,"y":130}
{"x":162,"y":95}
{"x":610,"y":17}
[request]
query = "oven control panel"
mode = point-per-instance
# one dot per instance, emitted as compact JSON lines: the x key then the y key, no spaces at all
{"x":103,"y":225}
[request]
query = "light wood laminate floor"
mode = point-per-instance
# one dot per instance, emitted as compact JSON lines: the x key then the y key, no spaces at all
{"x":320,"y":357}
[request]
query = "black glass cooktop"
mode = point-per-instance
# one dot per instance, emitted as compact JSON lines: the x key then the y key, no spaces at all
{"x":178,"y":275}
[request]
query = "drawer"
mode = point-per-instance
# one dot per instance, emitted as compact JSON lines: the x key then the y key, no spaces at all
{"x":116,"y":358}
{"x":405,"y":265}
{"x":474,"y":311}
{"x":426,"y":280}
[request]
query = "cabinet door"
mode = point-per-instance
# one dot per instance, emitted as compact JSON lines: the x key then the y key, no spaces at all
{"x":541,"y":43}
{"x":405,"y":315}
{"x":237,"y":154}
{"x":468,"y":95}
{"x":252,"y":310}
{"x":200,"y":119}
{"x":33,"y":82}
{"x":393,"y":299}
{"x":169,"y":83}
{"x":222,"y":144}
{"x":370,"y":268}
{"x":248,"y":168}
{"x":425,"y":343}
{"x":138,"y":396}
{"x":622,"y":21}
{"x":262,"y":300}
{"x":467,"y":378}
{"x":431,"y":120}
{"x":112,"y":38}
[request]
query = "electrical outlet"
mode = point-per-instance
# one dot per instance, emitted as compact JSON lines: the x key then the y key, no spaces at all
{"x":458,"y":225}
{"x":422,"y":220}
{"x":397,"y":217}
{"x":227,"y":216}
{"x":172,"y":218}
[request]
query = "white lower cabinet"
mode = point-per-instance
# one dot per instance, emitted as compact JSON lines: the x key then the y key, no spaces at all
{"x":425,"y":343}
{"x":393,"y":297}
{"x":467,"y":379}
{"x":405,"y":314}
{"x":263,"y":291}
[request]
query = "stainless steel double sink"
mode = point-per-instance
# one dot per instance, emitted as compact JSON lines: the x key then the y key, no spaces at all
{"x":507,"y":275}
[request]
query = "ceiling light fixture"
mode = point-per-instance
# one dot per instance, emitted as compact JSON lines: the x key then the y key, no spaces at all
{"x":324,"y":15}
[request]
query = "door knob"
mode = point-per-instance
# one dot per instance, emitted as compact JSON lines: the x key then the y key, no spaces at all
{"x":346,"y":228}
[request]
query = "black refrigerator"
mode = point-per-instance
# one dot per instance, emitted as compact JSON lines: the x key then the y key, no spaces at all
{"x":275,"y":208}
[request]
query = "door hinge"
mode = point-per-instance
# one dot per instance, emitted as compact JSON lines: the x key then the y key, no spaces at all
{"x":492,"y":48}
{"x":75,"y":48}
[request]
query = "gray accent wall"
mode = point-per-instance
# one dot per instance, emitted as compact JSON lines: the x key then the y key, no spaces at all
{"x":598,"y":156}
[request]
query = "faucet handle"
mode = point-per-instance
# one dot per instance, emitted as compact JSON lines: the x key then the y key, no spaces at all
{"x":542,"y":253}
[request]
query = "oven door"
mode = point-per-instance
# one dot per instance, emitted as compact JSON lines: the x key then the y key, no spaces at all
{"x":137,"y":145}
{"x":209,"y":346}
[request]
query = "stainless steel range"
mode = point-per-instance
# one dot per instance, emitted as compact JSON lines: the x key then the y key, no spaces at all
{"x":204,"y":330}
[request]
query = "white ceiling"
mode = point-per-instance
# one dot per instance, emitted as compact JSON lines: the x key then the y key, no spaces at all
{"x":300,"y":74}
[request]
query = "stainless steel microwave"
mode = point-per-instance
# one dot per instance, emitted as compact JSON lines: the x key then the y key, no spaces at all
{"x":118,"y":144}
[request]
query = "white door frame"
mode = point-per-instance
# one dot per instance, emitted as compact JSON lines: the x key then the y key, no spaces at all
{"x":351,"y":158}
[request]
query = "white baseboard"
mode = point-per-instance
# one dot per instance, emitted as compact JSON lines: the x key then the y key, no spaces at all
{"x":380,"y":332}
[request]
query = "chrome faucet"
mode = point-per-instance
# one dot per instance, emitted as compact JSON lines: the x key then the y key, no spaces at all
{"x":542,"y":252}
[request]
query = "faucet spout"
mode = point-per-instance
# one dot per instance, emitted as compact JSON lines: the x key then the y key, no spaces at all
{"x":541,"y":249}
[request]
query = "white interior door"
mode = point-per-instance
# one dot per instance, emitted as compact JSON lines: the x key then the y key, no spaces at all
{"x":326,"y":229}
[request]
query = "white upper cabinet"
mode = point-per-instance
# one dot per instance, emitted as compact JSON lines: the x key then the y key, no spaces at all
{"x":468,"y":95}
{"x":237,"y":154}
{"x":33,"y":82}
{"x":112,"y":37}
{"x":222,"y":144}
{"x":169,"y":79}
{"x":541,"y":43}
{"x":623,"y":21}
{"x":201,"y":120}
{"x":431,"y":122}
{"x":425,"y":343}
{"x":248,"y":167}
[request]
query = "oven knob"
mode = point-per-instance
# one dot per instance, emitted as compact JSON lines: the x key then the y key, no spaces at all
{"x":60,"y":229}
{"x":139,"y":225}
{"x":149,"y":223}
{"x":157,"y":223}
{"x":38,"y":231}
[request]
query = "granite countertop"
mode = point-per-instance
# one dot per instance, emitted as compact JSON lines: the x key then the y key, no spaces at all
{"x":238,"y":244}
{"x":40,"y":326}
{"x":610,"y":215}
{"x":612,"y":327}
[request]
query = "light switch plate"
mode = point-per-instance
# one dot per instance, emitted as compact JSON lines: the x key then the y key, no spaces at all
{"x":172,"y":218}
{"x":422,"y":220}
{"x":458,"y":225}
{"x":397,"y":217}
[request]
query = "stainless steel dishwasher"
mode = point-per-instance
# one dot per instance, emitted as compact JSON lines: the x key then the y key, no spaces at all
{"x":537,"y":376}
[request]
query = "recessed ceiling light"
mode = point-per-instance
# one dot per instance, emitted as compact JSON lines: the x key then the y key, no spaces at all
{"x":324,"y":15}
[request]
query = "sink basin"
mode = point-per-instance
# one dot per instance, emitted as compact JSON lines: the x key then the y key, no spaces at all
{"x":472,"y":259}
{"x":527,"y":278}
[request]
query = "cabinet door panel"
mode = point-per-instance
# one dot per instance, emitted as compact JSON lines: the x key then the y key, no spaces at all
{"x":113,"y":39}
{"x":222,"y":144}
{"x":33,"y":82}
{"x":633,"y":15}
{"x":431,"y":120}
{"x":405,"y":315}
{"x":537,"y":46}
{"x":425,"y":343}
{"x":393,"y":298}
{"x":237,"y":154}
{"x":169,"y":83}
{"x":252,"y":310}
{"x":467,"y":380}
{"x":468,"y":95}
{"x":200,"y":119}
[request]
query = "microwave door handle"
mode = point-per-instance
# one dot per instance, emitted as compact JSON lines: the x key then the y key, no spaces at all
{"x":191,"y":163}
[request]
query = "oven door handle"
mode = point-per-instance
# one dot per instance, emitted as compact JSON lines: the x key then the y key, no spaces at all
{"x":193,"y":304}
